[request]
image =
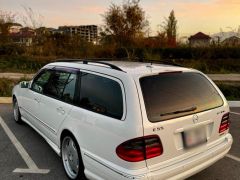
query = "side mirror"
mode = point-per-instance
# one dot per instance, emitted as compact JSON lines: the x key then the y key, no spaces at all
{"x":24,"y":84}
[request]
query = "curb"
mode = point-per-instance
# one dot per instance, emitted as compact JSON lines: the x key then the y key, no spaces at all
{"x":225,"y":77}
{"x":16,"y":75}
{"x":234,"y":103}
{"x":5,"y":100}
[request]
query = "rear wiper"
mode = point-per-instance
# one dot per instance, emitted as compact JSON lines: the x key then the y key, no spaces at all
{"x":193,"y":108}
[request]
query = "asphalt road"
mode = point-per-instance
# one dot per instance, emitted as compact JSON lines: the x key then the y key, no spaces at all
{"x":45,"y":158}
{"x":40,"y":152}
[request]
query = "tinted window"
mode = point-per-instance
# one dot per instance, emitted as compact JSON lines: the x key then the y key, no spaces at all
{"x":101,"y":95}
{"x":173,"y":95}
{"x":41,"y":80}
{"x":61,"y":85}
{"x":56,"y":84}
{"x":68,"y":93}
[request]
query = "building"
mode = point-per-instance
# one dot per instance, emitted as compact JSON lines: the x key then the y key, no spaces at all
{"x":231,"y":41}
{"x":47,"y":31}
{"x":24,"y":37}
{"x":219,"y":38}
{"x":8,"y":28}
{"x":199,"y":40}
{"x":86,"y":32}
{"x":15,"y":28}
{"x":55,"y":31}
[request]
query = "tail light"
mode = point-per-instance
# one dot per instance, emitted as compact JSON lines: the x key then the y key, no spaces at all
{"x":140,"y":149}
{"x":224,"y":123}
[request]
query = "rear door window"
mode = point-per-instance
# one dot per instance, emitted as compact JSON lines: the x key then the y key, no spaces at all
{"x":172,"y":95}
{"x":69,"y":90}
{"x":101,"y":95}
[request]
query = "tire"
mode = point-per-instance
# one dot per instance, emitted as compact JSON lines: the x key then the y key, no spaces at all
{"x":71,"y":158}
{"x":16,"y":112}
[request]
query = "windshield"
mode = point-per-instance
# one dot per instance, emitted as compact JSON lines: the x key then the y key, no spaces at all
{"x":172,"y":95}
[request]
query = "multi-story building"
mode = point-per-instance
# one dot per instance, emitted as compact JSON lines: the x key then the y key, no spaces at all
{"x":86,"y":32}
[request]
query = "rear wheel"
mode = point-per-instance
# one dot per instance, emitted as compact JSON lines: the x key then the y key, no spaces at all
{"x":16,"y":112}
{"x":71,"y":158}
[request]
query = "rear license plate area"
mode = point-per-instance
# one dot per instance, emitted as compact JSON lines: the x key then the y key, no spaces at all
{"x":194,"y":137}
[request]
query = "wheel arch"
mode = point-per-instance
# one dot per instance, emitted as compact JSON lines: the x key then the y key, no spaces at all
{"x":14,"y":97}
{"x":65,"y":132}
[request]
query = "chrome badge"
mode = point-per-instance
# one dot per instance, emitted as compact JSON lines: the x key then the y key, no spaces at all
{"x":195,"y":118}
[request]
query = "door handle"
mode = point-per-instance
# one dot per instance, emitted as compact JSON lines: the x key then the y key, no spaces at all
{"x":61,"y":110}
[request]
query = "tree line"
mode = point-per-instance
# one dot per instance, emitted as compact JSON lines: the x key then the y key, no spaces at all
{"x":124,"y":34}
{"x":124,"y":30}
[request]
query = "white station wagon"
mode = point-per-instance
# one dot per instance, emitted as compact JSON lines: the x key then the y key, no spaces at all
{"x":126,"y":120}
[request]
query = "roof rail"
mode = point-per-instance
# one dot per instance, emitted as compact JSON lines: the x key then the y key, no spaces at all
{"x":103,"y":63}
{"x":87,"y":61}
{"x":166,"y":62}
{"x":100,"y":61}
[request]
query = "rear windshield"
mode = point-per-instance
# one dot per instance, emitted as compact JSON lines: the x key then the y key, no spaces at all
{"x":172,"y":95}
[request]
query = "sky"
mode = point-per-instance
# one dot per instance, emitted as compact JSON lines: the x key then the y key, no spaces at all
{"x":193,"y":16}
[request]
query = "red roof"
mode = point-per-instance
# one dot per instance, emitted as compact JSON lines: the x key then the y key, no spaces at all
{"x":200,"y":36}
{"x":24,"y":34}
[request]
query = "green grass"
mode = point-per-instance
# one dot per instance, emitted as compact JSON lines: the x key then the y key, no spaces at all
{"x":6,"y":86}
{"x":210,"y":66}
{"x":31,"y":64}
{"x":230,"y":90}
{"x":22,"y":64}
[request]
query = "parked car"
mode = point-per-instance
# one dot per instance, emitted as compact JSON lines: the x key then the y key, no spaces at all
{"x":126,"y":120}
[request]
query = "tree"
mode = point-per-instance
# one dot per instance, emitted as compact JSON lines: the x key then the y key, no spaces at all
{"x":125,"y":24}
{"x":170,"y":28}
{"x":7,"y":19}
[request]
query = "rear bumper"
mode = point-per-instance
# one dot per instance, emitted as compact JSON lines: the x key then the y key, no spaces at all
{"x":196,"y":163}
{"x":180,"y":169}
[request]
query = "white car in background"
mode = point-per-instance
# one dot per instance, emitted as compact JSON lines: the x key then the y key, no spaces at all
{"x":126,"y":120}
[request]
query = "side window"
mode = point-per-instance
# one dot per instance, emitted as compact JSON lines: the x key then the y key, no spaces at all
{"x":101,"y":95}
{"x":69,"y":90}
{"x":61,"y":86}
{"x":40,"y":81}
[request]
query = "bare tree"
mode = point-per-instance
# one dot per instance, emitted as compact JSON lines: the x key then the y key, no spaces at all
{"x":31,"y":18}
{"x":7,"y":17}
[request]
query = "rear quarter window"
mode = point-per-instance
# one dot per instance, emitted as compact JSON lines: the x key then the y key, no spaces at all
{"x":101,"y":95}
{"x":172,"y":95}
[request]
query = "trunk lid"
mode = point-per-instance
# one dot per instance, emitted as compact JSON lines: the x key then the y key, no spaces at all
{"x":181,"y":108}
